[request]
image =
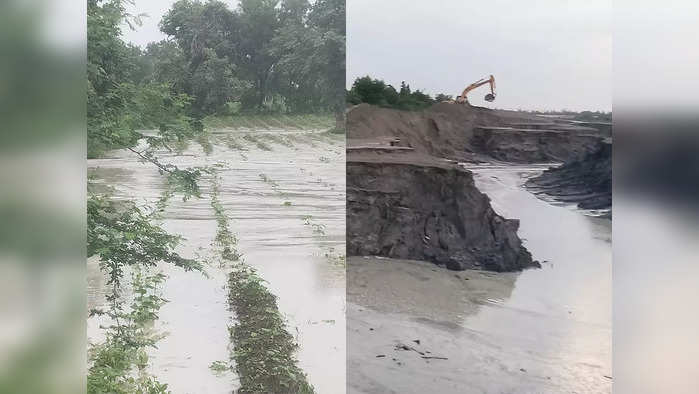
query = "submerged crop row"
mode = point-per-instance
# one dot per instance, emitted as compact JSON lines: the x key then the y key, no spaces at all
{"x":127,"y":237}
{"x":271,"y":122}
{"x":263,"y":350}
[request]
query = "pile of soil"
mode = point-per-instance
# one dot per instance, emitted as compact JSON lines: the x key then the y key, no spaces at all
{"x":587,"y":182}
{"x":430,"y":212}
{"x":470,"y":134}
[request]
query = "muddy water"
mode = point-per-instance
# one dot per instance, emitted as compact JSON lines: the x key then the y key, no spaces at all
{"x":543,"y":330}
{"x":290,"y":256}
{"x":273,"y":236}
{"x":562,"y":312}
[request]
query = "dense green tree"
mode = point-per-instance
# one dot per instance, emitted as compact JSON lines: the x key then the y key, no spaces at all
{"x":404,"y":90}
{"x":293,"y":78}
{"x":287,"y":56}
{"x":377,"y":92}
{"x":168,"y":64}
{"x":108,"y":67}
{"x":121,"y":96}
{"x":267,"y":55}
{"x":196,"y":26}
{"x":327,"y":20}
{"x":443,"y":97}
{"x":368,"y":90}
{"x":214,"y":83}
{"x":259,"y":24}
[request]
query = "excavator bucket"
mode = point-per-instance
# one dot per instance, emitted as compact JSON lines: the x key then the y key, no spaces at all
{"x":489,"y":97}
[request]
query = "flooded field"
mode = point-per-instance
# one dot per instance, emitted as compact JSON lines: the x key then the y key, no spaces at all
{"x":284,"y":195}
{"x":542,"y":330}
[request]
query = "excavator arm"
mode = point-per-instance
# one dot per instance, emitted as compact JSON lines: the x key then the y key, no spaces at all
{"x":489,"y":97}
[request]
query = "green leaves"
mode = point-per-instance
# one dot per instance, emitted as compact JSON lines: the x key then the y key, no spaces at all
{"x":118,"y":365}
{"x":219,"y":366}
{"x":263,"y":349}
{"x":377,"y":92}
{"x":122,"y":93}
{"x":214,"y":83}
{"x":125,"y":236}
{"x":122,"y":235}
{"x":269,"y":57}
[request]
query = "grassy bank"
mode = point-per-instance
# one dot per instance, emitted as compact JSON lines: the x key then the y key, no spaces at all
{"x":263,"y":351}
{"x":271,"y":122}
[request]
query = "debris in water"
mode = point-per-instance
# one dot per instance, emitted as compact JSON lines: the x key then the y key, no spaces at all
{"x":406,"y":347}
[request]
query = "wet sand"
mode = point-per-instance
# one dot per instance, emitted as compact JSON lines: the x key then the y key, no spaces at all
{"x":542,"y":330}
{"x":273,"y":237}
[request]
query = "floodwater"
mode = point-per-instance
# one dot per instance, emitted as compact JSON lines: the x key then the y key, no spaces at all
{"x":542,"y":330}
{"x":290,"y":224}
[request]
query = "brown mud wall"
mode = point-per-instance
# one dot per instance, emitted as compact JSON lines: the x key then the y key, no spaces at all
{"x":431,"y":213}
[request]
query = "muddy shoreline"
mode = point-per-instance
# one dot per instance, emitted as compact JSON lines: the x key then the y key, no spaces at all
{"x":586,"y":182}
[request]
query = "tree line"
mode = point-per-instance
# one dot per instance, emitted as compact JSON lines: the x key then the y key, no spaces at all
{"x":265,"y":56}
{"x":377,"y":92}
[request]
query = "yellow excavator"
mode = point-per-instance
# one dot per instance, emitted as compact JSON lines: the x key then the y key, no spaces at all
{"x":488,"y":97}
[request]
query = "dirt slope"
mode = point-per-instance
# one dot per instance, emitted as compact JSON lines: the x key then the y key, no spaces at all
{"x":428,"y":212}
{"x":467,"y":133}
{"x":407,"y":199}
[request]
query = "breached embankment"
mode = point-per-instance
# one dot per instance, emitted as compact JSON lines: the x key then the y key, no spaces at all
{"x":407,"y":198}
{"x":586,"y":182}
{"x":431,"y":212}
{"x":473,"y":134}
{"x":408,"y":322}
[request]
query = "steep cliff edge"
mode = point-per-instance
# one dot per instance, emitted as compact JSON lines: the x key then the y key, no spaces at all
{"x":431,"y":212}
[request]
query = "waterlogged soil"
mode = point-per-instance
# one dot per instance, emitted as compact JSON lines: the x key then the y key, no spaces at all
{"x":284,"y":193}
{"x":544,"y":330}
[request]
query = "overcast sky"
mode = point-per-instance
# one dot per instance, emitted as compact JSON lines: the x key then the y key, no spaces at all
{"x":544,"y":54}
